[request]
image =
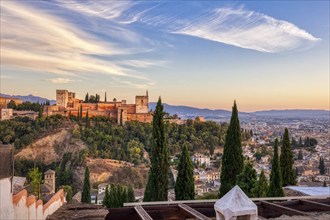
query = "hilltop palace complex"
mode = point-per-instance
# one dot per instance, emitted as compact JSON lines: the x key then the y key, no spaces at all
{"x":67,"y":104}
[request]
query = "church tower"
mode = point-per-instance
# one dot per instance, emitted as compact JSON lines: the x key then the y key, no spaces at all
{"x":49,"y":177}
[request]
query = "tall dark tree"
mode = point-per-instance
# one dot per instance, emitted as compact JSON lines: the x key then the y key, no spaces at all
{"x":185,"y":186}
{"x":300,"y":155}
{"x":86,"y":194}
{"x":275,"y":186}
{"x":130,"y":194}
{"x":121,"y":117}
{"x":156,"y":189}
{"x":286,"y":161}
{"x":105,"y":97}
{"x":232,"y":160}
{"x":87,"y":98}
{"x":106,"y":201}
{"x":87,"y":120}
{"x":321,"y":166}
{"x":300,"y":142}
{"x":40,"y":112}
{"x":80,"y":113}
{"x":211,"y":149}
{"x":247,"y":179}
{"x":261,"y":188}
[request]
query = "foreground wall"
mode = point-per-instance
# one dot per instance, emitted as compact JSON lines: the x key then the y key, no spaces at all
{"x":6,"y":201}
{"x":25,"y":207}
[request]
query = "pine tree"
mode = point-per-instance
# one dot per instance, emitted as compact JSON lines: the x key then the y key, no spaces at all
{"x":86,"y":194}
{"x":275,"y":186}
{"x":106,"y":201}
{"x":185,"y":186}
{"x":232,"y":160}
{"x":261,"y":188}
{"x":105,"y":97}
{"x":156,"y":189}
{"x":286,"y":160}
{"x":130,"y":194}
{"x":87,"y":98}
{"x":247,"y":179}
{"x":321,"y":166}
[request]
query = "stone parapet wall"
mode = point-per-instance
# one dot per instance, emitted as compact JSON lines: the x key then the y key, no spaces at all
{"x":29,"y":208}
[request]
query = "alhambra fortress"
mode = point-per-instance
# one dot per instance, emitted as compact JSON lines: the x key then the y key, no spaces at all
{"x":67,"y":104}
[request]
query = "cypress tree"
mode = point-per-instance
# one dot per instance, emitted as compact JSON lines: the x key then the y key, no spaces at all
{"x":106,"y":200}
{"x":130,"y":194}
{"x":185,"y":186}
{"x":112,"y":197}
{"x":232,"y":160}
{"x":321,"y":166}
{"x":124,"y":197}
{"x":156,"y":189}
{"x":275,"y":186}
{"x":247,"y":179}
{"x":86,"y":194}
{"x":261,"y":188}
{"x":87,"y":120}
{"x":121,"y":117}
{"x":300,"y":155}
{"x":105,"y":97}
{"x":86,"y":98}
{"x":286,"y":161}
{"x":80,"y":113}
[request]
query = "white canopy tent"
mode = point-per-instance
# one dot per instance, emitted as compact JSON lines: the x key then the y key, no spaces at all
{"x":234,"y":204}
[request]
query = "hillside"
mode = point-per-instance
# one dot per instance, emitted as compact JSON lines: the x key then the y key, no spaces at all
{"x":113,"y":171}
{"x":52,"y":147}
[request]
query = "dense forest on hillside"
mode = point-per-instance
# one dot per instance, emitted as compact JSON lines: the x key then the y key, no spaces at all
{"x":106,"y":139}
{"x":128,"y":142}
{"x":23,"y":131}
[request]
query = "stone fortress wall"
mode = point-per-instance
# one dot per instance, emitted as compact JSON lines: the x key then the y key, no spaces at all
{"x":67,"y":104}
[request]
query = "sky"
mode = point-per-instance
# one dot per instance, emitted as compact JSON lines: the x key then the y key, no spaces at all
{"x":206,"y":54}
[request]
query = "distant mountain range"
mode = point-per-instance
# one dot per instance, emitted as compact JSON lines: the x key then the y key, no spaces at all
{"x":29,"y":98}
{"x":191,"y":112}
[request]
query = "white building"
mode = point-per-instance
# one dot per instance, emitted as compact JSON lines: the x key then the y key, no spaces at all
{"x":201,"y":159}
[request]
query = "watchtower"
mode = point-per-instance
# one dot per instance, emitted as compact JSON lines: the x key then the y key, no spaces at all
{"x":142,"y":103}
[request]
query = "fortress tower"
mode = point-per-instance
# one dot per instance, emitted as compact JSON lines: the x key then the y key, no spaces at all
{"x":142,"y":104}
{"x":62,"y":98}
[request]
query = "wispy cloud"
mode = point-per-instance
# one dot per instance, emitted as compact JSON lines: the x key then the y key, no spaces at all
{"x":36,"y":40}
{"x":247,"y":29}
{"x":60,"y":80}
{"x":113,"y":9}
{"x":6,"y":77}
